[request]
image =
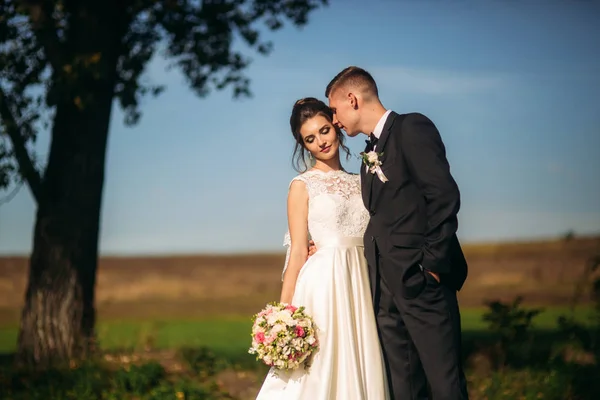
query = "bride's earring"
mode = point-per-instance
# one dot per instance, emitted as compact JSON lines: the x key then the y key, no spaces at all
{"x":310,"y":157}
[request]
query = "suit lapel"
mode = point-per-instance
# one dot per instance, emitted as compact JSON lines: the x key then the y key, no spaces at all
{"x":373,"y":190}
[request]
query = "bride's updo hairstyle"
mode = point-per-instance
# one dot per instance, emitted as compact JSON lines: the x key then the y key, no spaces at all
{"x":305,"y":109}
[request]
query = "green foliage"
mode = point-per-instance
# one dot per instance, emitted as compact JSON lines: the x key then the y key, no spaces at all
{"x":95,"y":381}
{"x":138,"y":379}
{"x":533,"y":384}
{"x":58,"y":54}
{"x":203,"y":361}
{"x":7,"y":167}
{"x":512,"y":324}
{"x":510,"y":321}
{"x":568,"y":370}
{"x":579,"y":340}
{"x":149,"y":381}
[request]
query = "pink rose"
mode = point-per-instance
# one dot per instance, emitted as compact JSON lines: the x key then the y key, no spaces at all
{"x":260,"y":337}
{"x":299,"y":331}
{"x":291,"y":308}
{"x":270,"y":339}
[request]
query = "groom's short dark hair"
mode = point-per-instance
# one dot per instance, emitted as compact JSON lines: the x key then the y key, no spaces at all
{"x":353,"y":76}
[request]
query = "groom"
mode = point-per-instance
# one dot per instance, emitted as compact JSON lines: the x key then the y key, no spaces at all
{"x":415,"y":260}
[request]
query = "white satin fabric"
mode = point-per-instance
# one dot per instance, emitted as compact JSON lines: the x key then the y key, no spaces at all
{"x":333,"y":285}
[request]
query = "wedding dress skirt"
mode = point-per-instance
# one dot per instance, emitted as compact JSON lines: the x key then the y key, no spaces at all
{"x":333,"y":285}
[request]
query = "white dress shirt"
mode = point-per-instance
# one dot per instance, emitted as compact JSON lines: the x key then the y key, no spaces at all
{"x":379,"y":127}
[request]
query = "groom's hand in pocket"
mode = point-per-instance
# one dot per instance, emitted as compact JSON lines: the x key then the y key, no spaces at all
{"x":312,"y":249}
{"x":435,"y":276}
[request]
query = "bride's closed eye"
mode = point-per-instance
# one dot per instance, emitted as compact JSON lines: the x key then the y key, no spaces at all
{"x":322,"y":132}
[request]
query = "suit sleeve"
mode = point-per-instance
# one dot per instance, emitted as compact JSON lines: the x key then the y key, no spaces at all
{"x":425,"y":156}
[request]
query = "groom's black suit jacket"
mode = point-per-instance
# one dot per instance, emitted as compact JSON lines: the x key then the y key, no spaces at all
{"x":414,"y":214}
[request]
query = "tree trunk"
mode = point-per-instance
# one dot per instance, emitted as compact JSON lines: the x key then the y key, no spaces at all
{"x":57,"y":322}
{"x":58,"y":318}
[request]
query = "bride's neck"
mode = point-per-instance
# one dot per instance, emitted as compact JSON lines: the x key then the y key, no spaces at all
{"x":328,"y":165}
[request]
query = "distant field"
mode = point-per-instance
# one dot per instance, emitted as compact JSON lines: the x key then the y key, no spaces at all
{"x":201,"y":286}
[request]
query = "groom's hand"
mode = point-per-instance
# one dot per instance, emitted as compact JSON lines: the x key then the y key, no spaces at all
{"x":312,"y":249}
{"x":435,"y":276}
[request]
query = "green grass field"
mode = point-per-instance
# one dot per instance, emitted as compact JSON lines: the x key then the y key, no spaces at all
{"x":231,"y":334}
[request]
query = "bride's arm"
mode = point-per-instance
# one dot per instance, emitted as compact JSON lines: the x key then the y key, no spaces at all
{"x":297,"y":205}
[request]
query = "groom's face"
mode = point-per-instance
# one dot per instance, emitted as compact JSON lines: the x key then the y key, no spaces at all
{"x":345,"y":113}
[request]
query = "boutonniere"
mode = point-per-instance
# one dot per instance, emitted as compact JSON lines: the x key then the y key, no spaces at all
{"x":371,"y":160}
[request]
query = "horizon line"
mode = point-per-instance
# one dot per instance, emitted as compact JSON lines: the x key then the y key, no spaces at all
{"x":241,"y":253}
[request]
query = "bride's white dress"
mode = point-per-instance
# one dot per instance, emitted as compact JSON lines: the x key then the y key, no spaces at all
{"x":333,"y":285}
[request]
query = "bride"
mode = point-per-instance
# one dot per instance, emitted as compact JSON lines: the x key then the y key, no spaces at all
{"x":325,"y":205}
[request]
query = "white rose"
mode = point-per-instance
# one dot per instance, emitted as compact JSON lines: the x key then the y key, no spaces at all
{"x":272,"y":319}
{"x":286,"y":318}
{"x":372,"y":157}
{"x":277,"y":328}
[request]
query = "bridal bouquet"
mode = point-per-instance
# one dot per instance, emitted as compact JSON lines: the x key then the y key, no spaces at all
{"x":283,"y":336}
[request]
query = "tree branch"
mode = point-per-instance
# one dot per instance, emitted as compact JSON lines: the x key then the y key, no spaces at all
{"x":28,"y":170}
{"x":42,"y":23}
{"x":12,"y":194}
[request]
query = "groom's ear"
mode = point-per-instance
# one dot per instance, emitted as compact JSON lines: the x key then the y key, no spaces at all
{"x":353,"y":100}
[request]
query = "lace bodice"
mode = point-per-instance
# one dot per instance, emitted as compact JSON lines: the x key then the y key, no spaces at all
{"x":335,"y":206}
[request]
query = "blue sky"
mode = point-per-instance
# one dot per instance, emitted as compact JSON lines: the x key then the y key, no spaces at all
{"x":512,"y":86}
